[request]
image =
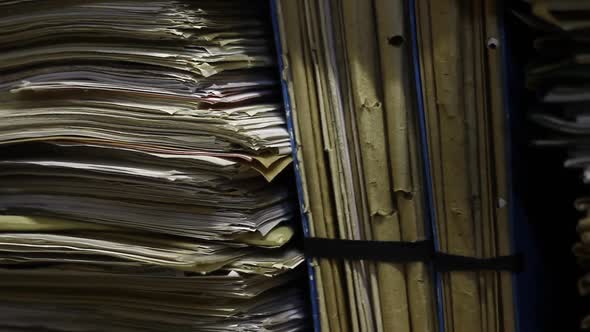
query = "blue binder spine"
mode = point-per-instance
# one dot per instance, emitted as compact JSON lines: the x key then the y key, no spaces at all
{"x":311,"y":271}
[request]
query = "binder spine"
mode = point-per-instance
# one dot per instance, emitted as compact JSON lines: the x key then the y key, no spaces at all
{"x":305,"y":224}
{"x":428,"y":184}
{"x":516,"y":219}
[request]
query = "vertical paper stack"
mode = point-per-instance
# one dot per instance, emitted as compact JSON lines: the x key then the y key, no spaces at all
{"x":347,"y":73}
{"x":560,"y":77}
{"x":460,"y":51}
{"x":138,"y":144}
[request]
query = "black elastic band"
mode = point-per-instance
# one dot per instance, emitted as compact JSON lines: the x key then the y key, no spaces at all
{"x":399,"y":252}
{"x":406,"y":252}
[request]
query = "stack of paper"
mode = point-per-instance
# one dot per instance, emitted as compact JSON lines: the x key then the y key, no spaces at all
{"x":346,"y":70}
{"x":138,"y":142}
{"x":460,"y":50}
{"x":559,"y":75}
{"x":565,"y":15}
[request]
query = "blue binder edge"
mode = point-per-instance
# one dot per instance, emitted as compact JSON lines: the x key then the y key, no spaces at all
{"x":305,"y":223}
{"x":428,"y":184}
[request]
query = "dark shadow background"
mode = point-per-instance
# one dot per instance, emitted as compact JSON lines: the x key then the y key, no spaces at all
{"x":543,"y":196}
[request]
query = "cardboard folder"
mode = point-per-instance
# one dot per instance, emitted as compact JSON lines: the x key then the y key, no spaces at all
{"x":459,"y":46}
{"x":358,"y":156}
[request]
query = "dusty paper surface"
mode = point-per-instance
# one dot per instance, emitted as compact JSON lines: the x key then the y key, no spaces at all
{"x":141,"y":144}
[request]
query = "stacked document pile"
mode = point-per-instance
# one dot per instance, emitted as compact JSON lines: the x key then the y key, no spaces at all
{"x":560,"y":76}
{"x":460,"y":69}
{"x":138,"y":144}
{"x":347,"y":71}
